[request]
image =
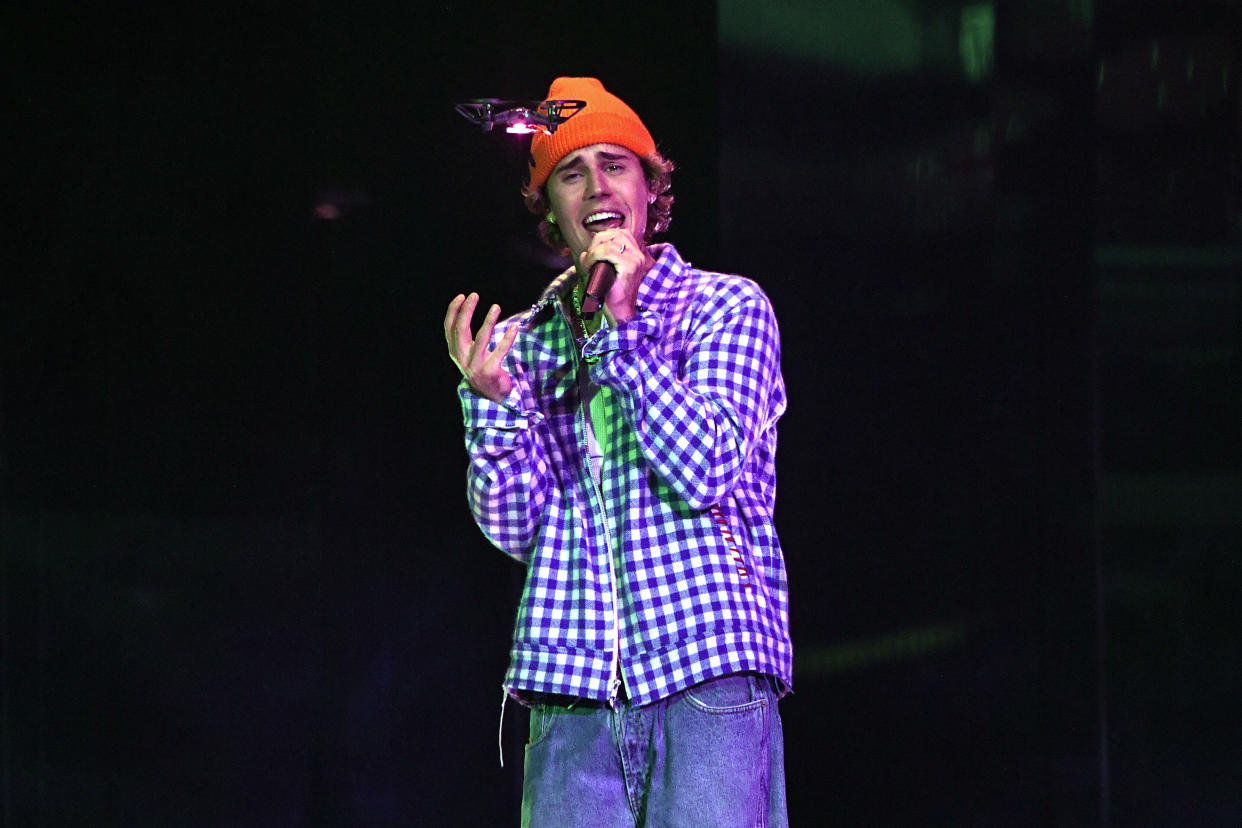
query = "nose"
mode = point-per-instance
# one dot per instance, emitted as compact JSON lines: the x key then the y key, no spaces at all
{"x":597,"y":184}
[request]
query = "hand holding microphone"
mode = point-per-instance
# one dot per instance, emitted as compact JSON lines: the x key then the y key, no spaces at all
{"x":616,"y":263}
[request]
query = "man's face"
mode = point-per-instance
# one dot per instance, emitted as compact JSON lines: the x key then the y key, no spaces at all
{"x":596,"y":188}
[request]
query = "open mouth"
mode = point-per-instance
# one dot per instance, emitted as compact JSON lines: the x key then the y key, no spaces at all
{"x":603,"y":220}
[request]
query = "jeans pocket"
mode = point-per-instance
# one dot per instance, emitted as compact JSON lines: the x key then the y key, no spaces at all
{"x":541,"y":718}
{"x":737,"y":693}
{"x":719,"y":750}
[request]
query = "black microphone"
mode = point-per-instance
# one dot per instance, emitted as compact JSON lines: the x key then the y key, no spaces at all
{"x":603,"y":274}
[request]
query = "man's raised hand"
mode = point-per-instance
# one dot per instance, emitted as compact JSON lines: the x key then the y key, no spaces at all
{"x":483,"y":369}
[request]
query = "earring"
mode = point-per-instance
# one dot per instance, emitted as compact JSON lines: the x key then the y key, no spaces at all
{"x":551,"y":219}
{"x":651,"y":199}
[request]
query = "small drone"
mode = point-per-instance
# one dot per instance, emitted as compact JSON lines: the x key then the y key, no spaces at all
{"x":519,"y":117}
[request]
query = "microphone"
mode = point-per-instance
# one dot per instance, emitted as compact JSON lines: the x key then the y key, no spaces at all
{"x":603,"y":274}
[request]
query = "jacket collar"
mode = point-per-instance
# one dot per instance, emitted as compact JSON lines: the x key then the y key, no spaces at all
{"x":657,"y":286}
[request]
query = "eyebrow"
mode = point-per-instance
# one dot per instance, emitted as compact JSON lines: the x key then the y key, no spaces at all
{"x":577,"y":160}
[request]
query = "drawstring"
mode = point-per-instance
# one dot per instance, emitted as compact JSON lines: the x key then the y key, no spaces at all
{"x":500,"y":736}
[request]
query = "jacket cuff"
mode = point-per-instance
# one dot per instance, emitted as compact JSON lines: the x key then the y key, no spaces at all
{"x":480,"y":412}
{"x":622,"y":351}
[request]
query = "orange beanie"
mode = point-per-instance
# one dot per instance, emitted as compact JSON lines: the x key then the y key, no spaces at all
{"x":606,"y":119}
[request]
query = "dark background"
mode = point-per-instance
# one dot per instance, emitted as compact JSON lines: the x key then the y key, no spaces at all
{"x":240,"y":583}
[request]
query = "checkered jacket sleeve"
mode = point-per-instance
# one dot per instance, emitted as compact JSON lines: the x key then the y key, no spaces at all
{"x":508,"y":479}
{"x":696,"y":423}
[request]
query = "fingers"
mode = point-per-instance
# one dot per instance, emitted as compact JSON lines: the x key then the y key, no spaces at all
{"x":617,"y":246}
{"x":461,"y":343}
{"x":502,"y":347}
{"x":470,"y":352}
{"x":482,"y":368}
{"x":450,"y":321}
{"x":482,"y":360}
{"x":457,"y":328}
{"x":619,"y":241}
{"x":451,"y":316}
{"x":484,"y":336}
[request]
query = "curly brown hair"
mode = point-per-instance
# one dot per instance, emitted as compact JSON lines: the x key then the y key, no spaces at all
{"x":656,"y":169}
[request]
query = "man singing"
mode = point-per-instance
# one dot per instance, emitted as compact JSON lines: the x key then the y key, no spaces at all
{"x":627,"y":458}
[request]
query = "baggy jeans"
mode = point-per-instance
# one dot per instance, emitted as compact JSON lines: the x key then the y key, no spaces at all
{"x":711,"y":755}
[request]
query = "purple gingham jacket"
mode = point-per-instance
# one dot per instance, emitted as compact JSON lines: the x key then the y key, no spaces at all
{"x":669,"y":571}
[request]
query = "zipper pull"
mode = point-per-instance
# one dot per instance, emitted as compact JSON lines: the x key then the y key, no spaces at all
{"x":614,"y":690}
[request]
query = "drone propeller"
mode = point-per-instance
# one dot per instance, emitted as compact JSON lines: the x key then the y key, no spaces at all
{"x":520,"y":117}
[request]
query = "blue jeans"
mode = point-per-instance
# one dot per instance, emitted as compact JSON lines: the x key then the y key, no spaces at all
{"x":711,"y":755}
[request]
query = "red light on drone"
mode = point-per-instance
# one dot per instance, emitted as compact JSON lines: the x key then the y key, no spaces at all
{"x":521,"y":128}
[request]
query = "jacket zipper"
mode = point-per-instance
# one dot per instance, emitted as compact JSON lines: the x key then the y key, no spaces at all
{"x":614,"y":681}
